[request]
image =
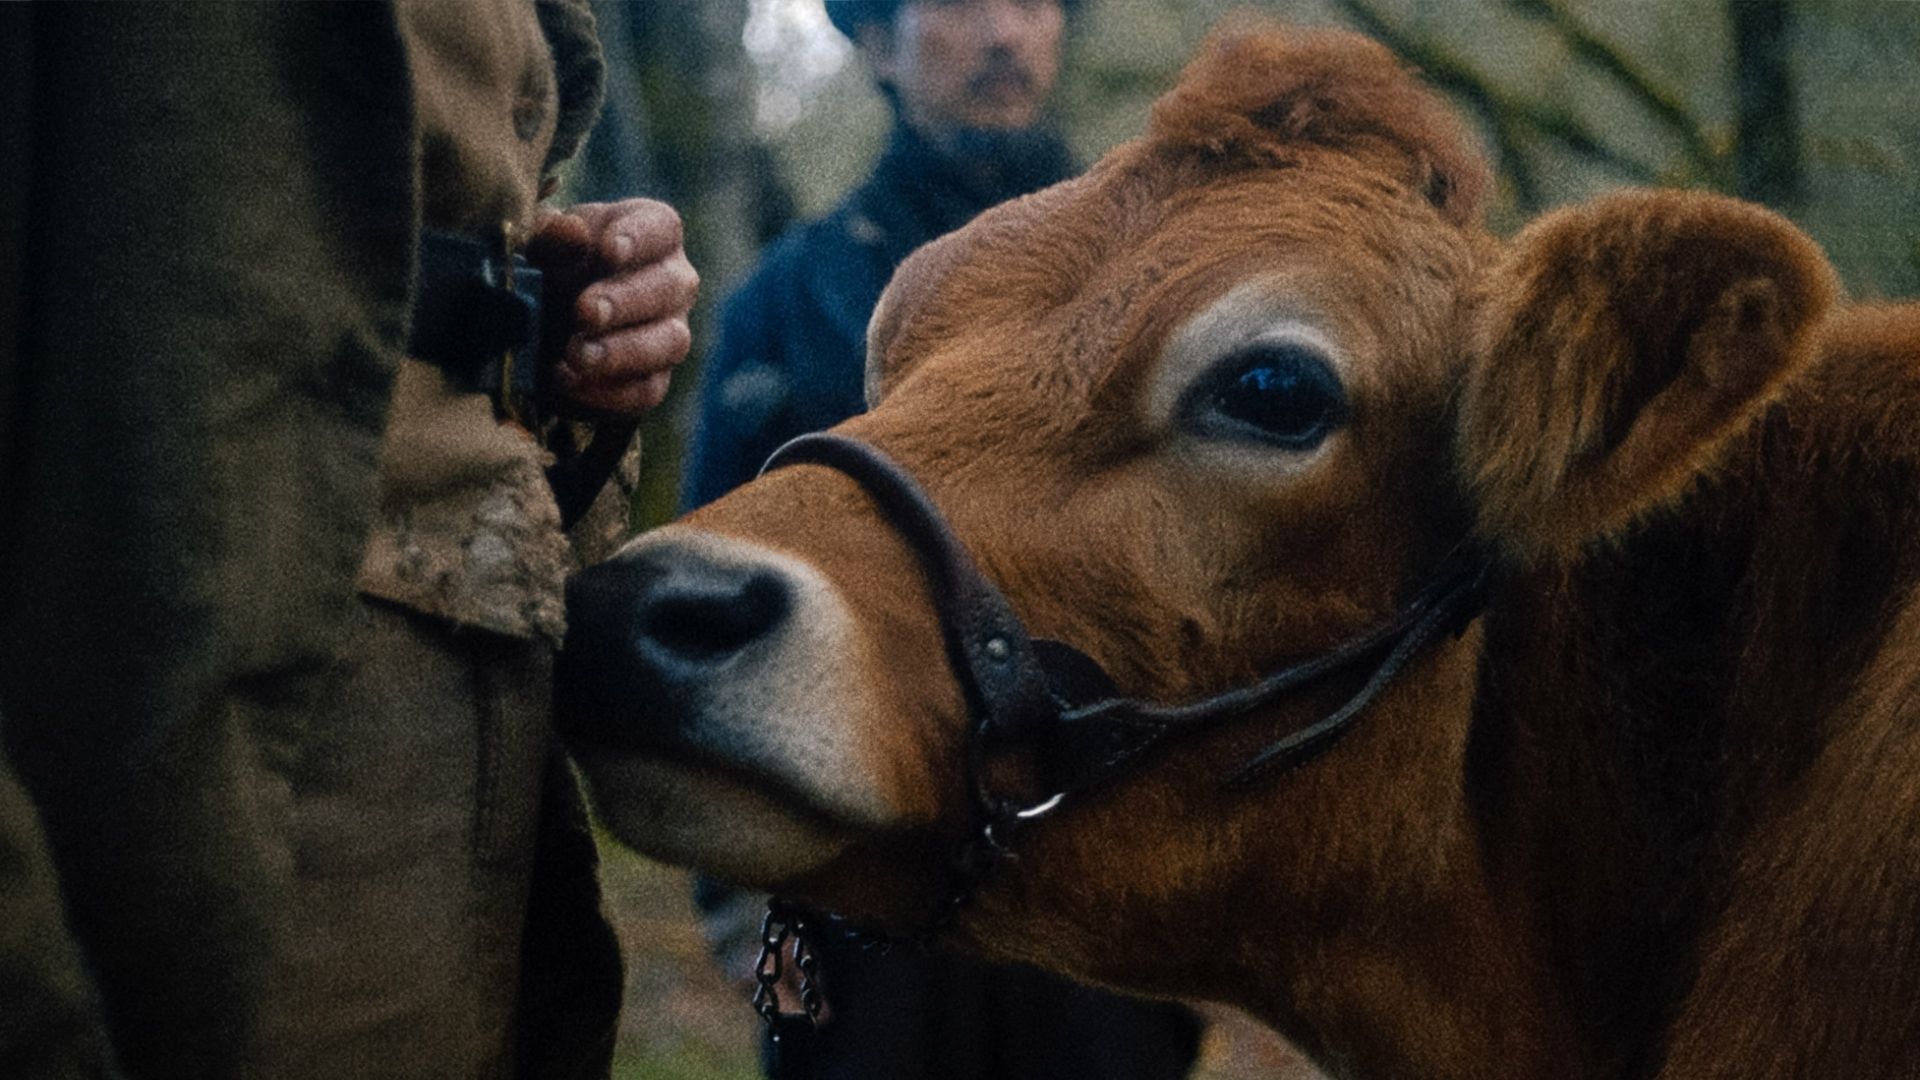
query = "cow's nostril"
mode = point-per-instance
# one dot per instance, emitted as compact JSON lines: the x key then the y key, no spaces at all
{"x":703,"y":620}
{"x":648,"y":633}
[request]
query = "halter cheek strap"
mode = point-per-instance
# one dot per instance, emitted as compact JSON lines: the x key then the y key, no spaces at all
{"x":1105,"y":737}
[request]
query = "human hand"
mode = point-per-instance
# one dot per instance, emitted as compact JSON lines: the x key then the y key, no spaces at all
{"x":619,"y":290}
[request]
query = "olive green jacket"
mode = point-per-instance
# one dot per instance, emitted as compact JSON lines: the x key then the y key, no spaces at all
{"x":210,"y":215}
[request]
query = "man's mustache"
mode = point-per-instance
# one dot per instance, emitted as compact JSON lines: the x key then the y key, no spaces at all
{"x":1000,"y":70}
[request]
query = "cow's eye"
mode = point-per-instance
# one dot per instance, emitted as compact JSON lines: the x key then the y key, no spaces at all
{"x":1281,"y":393}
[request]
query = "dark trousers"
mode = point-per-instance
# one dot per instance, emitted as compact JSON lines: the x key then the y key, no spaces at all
{"x":911,"y":1015}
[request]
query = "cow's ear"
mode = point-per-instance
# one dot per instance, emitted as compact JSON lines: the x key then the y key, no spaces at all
{"x":882,"y":328}
{"x":1616,"y":348}
{"x":892,"y":341}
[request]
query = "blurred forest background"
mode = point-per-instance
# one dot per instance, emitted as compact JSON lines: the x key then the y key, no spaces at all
{"x":750,"y":114}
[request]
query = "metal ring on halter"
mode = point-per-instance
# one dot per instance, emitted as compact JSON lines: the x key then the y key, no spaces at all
{"x":1040,"y":810}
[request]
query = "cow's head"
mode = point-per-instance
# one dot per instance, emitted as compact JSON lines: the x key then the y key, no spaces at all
{"x":1217,"y":406}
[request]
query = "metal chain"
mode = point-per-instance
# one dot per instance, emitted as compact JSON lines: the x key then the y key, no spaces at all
{"x":786,"y":930}
{"x":766,"y":970}
{"x":808,"y":964}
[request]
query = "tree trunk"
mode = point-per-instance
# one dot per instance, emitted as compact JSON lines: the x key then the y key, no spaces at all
{"x":1767,"y":127}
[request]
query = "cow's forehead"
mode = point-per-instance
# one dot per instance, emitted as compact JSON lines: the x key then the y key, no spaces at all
{"x":1079,"y":292}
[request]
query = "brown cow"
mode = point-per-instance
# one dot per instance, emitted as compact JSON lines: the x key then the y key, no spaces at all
{"x":1235,"y":398}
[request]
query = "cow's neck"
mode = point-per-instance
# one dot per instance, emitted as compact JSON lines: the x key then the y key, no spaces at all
{"x":1590,"y":771}
{"x":1449,"y":992}
{"x":1424,"y":963}
{"x":1638,"y":708}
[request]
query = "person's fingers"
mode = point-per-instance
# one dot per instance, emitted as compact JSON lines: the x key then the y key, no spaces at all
{"x":633,"y":350}
{"x":626,"y":372}
{"x":617,"y":397}
{"x":595,"y":214}
{"x":630,"y":319}
{"x":557,"y":236}
{"x":663,"y":289}
{"x":632,"y":231}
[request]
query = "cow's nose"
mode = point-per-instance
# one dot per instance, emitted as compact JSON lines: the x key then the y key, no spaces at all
{"x":648,"y":628}
{"x":677,"y":613}
{"x":700,"y":616}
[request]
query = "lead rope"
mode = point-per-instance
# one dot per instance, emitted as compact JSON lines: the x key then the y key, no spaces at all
{"x":791,"y":1035}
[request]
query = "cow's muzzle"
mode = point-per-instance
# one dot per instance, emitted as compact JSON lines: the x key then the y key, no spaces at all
{"x":652,"y":628}
{"x":717,"y":694}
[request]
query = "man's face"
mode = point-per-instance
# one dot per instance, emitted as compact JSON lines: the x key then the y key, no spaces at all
{"x":986,"y":64}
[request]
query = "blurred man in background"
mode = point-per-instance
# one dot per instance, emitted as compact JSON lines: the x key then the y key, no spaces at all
{"x":969,"y":82}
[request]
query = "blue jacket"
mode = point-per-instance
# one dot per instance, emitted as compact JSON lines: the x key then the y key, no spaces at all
{"x":791,"y":350}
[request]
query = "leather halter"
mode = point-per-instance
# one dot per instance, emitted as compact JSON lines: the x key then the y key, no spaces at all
{"x":1056,"y":702}
{"x":1046,"y":697}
